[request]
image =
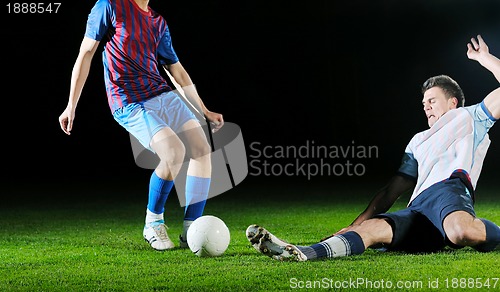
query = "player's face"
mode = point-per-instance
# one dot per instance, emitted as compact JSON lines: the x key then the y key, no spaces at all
{"x":436,"y":104}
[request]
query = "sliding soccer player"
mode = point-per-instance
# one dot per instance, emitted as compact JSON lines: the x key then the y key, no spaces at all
{"x":442,"y":165}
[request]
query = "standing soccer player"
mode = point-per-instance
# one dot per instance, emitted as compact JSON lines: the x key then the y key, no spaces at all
{"x":441,"y":164}
{"x":136,"y":42}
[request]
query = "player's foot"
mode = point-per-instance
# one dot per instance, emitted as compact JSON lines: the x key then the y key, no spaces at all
{"x":183,"y":236}
{"x":155,"y":234}
{"x":266,"y":243}
{"x":183,"y":242}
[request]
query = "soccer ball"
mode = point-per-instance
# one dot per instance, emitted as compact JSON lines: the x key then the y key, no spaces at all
{"x":208,"y":236}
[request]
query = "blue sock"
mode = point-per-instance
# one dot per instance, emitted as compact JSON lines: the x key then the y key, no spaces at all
{"x":492,"y":237}
{"x":196,"y":196}
{"x":158,"y":193}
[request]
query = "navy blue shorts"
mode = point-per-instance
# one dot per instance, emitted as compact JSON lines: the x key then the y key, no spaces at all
{"x":419,"y":227}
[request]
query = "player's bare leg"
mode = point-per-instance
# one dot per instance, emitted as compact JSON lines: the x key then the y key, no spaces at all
{"x":198,"y":174}
{"x":463,"y":229}
{"x":374,"y":232}
{"x":198,"y":149}
{"x":171,"y":152}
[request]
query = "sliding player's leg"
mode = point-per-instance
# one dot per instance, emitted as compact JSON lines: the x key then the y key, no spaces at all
{"x":355,"y":241}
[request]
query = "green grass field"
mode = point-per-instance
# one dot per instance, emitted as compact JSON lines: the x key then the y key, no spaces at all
{"x":91,"y":240}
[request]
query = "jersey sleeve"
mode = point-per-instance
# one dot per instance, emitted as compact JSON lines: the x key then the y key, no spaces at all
{"x":166,"y":53}
{"x":484,"y":115}
{"x":99,"y":20}
{"x":481,"y":114}
{"x":483,"y":120}
{"x":409,"y":165}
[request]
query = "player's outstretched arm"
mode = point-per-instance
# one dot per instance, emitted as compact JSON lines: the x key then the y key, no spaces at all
{"x":382,"y":201}
{"x":479,"y":51}
{"x":182,"y":79}
{"x":78,"y":77}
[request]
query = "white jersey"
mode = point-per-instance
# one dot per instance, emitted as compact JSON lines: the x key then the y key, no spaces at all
{"x":457,"y":142}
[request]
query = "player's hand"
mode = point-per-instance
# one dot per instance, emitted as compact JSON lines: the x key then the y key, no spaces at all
{"x":215,"y":120}
{"x":66,"y":120}
{"x":476,"y":49}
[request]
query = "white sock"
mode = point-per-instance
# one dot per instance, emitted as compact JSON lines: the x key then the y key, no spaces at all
{"x":152,"y":217}
{"x":338,"y":247}
{"x":349,"y":243}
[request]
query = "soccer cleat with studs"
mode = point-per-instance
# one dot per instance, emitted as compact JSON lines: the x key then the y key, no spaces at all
{"x":155,"y":234}
{"x":268,"y":244}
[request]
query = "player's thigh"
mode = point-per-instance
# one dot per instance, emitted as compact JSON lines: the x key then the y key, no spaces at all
{"x":462,"y":227}
{"x":168,"y":145}
{"x":457,"y":218}
{"x":195,"y":139}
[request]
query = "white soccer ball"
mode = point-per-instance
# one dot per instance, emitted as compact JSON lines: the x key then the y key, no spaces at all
{"x":208,"y":236}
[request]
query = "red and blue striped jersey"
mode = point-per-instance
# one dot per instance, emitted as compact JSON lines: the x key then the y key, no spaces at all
{"x":136,"y":43}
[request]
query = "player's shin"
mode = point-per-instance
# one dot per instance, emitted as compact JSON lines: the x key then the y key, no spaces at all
{"x":159,"y":190}
{"x":197,"y":189}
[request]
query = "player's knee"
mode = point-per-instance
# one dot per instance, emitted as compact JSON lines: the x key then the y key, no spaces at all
{"x":200,"y":149}
{"x":374,"y":231}
{"x":171,"y":156}
{"x":462,"y":235}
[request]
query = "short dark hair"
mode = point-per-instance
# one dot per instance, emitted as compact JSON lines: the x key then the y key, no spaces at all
{"x":448,"y":85}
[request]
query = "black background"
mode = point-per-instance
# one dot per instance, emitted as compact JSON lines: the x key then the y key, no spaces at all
{"x":286,"y":72}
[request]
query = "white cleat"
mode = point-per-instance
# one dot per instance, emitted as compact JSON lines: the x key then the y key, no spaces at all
{"x":155,"y":234}
{"x":268,"y":244}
